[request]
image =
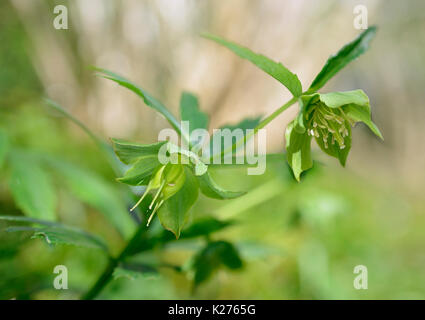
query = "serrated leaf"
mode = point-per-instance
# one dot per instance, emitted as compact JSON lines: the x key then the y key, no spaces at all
{"x":275,"y":69}
{"x":212,"y":190}
{"x":4,"y":146}
{"x":189,"y":111}
{"x":93,"y":190}
{"x":32,"y":188}
{"x":173,"y":213}
{"x":130,"y":152}
{"x":147,"y":98}
{"x":347,"y":54}
{"x":210,"y":258}
{"x":141,"y":171}
{"x":298,"y":150}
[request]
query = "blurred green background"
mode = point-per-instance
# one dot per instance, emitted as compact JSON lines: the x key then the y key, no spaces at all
{"x":297,"y":241}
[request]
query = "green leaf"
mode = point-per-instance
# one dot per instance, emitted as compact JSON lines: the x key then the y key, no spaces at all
{"x":210,"y":258}
{"x":94,"y":191}
{"x":134,"y":271}
{"x":32,"y":188}
{"x":56,"y":233}
{"x":148,"y":99}
{"x":205,"y":226}
{"x":130,"y":152}
{"x":141,"y":171}
{"x":275,"y":69}
{"x":355,"y":104}
{"x":55,"y":236}
{"x":210,"y":188}
{"x":347,"y":54}
{"x":189,"y":111}
{"x":298,"y":150}
{"x":4,"y":146}
{"x":173,"y":213}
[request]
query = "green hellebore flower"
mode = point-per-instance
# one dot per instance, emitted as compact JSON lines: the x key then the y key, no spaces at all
{"x":167,"y":180}
{"x":328,"y":118}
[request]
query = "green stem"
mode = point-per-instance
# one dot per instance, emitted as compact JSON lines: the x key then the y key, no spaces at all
{"x":106,"y":276}
{"x":261,"y":125}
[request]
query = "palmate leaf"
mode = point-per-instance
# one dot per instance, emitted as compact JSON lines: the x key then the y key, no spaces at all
{"x":32,"y":188}
{"x":55,"y":233}
{"x":173,"y":213}
{"x":147,"y":98}
{"x":347,"y":54}
{"x":189,"y":111}
{"x":210,"y":188}
{"x":275,"y":69}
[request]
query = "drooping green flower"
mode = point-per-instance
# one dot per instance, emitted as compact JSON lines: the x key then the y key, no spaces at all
{"x":174,"y":185}
{"x":328,"y":118}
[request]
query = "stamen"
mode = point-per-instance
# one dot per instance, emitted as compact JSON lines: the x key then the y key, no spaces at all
{"x":140,"y":200}
{"x":154,"y":211}
{"x":157,"y":194}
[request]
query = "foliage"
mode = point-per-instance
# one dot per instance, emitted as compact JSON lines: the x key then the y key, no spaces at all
{"x":172,"y":190}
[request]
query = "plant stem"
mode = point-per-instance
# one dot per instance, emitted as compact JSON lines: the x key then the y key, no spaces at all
{"x":261,"y":125}
{"x":106,"y":276}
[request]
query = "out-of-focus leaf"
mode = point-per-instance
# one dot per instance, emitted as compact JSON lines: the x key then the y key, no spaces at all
{"x":210,"y":258}
{"x":130,"y":152}
{"x":189,"y":111}
{"x":134,"y":271}
{"x":174,"y":212}
{"x":347,"y":54}
{"x":92,"y":190}
{"x":4,"y":144}
{"x":32,"y":188}
{"x":205,"y":226}
{"x":275,"y":69}
{"x":141,"y":171}
{"x":210,"y":189}
{"x":56,"y":233}
{"x":55,"y":236}
{"x":298,"y":150}
{"x":148,"y":99}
